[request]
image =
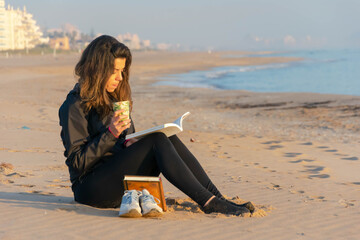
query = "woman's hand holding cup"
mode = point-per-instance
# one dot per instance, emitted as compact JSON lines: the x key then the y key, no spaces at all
{"x":119,"y":122}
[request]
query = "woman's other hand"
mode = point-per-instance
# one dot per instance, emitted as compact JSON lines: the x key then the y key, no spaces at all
{"x":130,"y":141}
{"x":119,"y":123}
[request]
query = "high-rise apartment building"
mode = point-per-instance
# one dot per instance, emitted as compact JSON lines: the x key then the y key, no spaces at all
{"x":18,"y":29}
{"x":2,"y":24}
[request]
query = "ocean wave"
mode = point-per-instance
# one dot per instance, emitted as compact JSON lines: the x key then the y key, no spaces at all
{"x":185,"y":84}
{"x":226,"y":72}
{"x":328,"y":72}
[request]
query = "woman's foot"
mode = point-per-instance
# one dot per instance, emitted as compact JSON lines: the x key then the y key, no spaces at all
{"x":247,"y":205}
{"x":221,"y":206}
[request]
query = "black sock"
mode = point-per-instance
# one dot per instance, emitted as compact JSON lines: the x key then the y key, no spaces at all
{"x":212,"y":188}
{"x":221,"y":206}
{"x":247,"y":205}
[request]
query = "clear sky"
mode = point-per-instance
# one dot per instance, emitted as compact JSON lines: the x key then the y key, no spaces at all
{"x":207,"y":24}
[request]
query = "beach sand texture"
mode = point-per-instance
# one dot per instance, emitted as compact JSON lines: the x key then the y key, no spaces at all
{"x":295,"y":155}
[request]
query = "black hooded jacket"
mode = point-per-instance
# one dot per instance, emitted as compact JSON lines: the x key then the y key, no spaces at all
{"x":86,"y":137}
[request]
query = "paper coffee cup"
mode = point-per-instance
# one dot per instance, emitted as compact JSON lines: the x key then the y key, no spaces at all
{"x":122,"y":105}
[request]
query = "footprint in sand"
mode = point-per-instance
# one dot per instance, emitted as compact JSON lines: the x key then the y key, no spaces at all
{"x":301,"y":160}
{"x":350,"y":183}
{"x":331,"y":150}
{"x":6,"y":181}
{"x":291,"y":155}
{"x":317,"y":198}
{"x":315,"y":171}
{"x":346,"y":203}
{"x":273,"y":147}
{"x":296,"y":192}
{"x":41,"y":193}
{"x":274,"y":186}
{"x":306,"y":143}
{"x":14,"y":150}
{"x":60,"y":181}
{"x":15,"y":174}
{"x":235,"y":179}
{"x":7,"y":170}
{"x":222,"y":155}
{"x":257,"y":165}
{"x":351,"y":158}
{"x":341,"y":154}
{"x":57,"y":186}
{"x":67,"y":209}
{"x":335,"y":151}
{"x":319,"y":176}
{"x":25,"y":185}
{"x":271,"y":142}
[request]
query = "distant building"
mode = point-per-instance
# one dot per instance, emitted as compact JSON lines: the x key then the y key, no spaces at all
{"x":2,"y":25}
{"x":163,"y":46}
{"x":146,"y":43}
{"x":18,"y":29}
{"x":60,"y":43}
{"x":133,"y":41}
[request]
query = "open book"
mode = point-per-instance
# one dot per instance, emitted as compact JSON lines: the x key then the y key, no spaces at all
{"x":168,"y":128}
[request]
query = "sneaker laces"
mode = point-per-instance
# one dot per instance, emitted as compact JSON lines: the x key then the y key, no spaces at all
{"x":130,"y":196}
{"x":150,"y":198}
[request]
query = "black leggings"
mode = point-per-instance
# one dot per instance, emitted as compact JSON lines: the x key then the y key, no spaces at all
{"x":154,"y":154}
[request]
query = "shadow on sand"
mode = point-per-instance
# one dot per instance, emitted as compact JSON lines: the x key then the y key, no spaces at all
{"x":52,"y":203}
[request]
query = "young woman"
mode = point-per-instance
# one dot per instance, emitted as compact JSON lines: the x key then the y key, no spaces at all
{"x":93,"y":135}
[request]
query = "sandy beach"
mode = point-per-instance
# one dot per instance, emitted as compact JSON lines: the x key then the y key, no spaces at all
{"x":294,"y":155}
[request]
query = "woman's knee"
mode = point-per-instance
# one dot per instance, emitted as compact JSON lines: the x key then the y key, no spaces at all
{"x":159,"y":140}
{"x":158,"y":136}
{"x":174,"y":139}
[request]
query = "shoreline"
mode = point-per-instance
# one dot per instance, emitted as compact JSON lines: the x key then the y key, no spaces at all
{"x":294,"y":76}
{"x":296,"y":156}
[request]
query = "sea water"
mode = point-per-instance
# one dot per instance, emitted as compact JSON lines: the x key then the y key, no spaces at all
{"x":321,"y":71}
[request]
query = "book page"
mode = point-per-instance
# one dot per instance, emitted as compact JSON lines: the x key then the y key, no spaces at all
{"x":180,"y":120}
{"x":168,"y":129}
{"x":145,"y":132}
{"x":171,"y":129}
{"x":141,"y":178}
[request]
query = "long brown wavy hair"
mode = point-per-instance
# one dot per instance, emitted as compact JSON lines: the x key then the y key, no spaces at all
{"x":95,"y":67}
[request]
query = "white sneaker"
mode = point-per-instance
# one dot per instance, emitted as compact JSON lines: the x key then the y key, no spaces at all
{"x":149,"y":206}
{"x":130,"y":204}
